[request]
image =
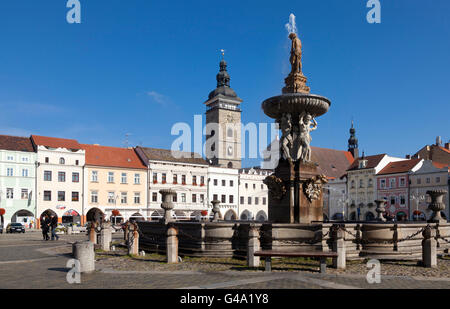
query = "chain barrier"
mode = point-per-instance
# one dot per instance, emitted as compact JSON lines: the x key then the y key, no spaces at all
{"x":393,"y":241}
{"x":314,"y":241}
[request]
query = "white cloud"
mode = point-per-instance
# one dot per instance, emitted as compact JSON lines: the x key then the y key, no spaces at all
{"x":157,"y":97}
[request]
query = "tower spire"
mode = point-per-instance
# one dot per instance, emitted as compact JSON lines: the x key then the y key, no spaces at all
{"x":353,"y":142}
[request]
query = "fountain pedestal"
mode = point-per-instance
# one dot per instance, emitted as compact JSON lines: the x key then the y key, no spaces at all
{"x":290,"y":193}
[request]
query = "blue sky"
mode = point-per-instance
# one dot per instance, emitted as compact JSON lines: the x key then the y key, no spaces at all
{"x":139,"y":66}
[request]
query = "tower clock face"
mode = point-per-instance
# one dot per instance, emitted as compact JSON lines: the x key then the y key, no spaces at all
{"x":230,"y":151}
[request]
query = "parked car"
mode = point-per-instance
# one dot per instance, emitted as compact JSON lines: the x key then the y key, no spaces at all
{"x":15,"y":228}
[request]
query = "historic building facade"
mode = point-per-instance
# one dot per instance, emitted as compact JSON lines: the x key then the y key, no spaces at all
{"x":253,"y":194}
{"x":393,"y":183}
{"x":59,"y":178}
{"x":361,"y":185}
{"x":430,"y":176}
{"x":223,"y":185}
{"x":185,"y":173}
{"x":17,"y":181}
{"x":437,"y":153}
{"x":114,"y":179}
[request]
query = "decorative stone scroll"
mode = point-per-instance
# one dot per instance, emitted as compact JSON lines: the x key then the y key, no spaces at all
{"x":313,"y":187}
{"x":276,"y":187}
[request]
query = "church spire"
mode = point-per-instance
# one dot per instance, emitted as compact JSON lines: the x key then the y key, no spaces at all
{"x":353,"y":142}
{"x":223,"y":78}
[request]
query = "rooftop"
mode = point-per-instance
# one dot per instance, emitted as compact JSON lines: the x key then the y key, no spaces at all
{"x":112,"y":157}
{"x":399,"y":167}
{"x":372,"y":162}
{"x":54,"y":142}
{"x":153,"y":154}
{"x":15,"y":143}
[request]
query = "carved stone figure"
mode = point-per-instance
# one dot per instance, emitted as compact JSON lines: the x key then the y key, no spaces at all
{"x":286,"y":141}
{"x":313,"y":187}
{"x":296,"y":54}
{"x":307,"y":124}
{"x":276,"y":187}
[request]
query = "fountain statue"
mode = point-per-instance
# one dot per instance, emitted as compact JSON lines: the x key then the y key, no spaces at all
{"x":296,"y":110}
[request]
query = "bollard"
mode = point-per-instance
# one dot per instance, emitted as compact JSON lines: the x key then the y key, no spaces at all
{"x":133,"y":248}
{"x":172,"y":245}
{"x":125,"y":234}
{"x":105,"y":239}
{"x":92,"y":235}
{"x":84,"y":253}
{"x":339,"y":247}
{"x":253,"y":246}
{"x":429,"y":251}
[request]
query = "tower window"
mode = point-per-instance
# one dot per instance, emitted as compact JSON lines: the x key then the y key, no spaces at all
{"x":230,"y":132}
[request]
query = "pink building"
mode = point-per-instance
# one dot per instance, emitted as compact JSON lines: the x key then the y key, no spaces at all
{"x":393,"y":186}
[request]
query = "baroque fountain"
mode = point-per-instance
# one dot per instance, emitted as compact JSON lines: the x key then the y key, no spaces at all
{"x":295,"y":197}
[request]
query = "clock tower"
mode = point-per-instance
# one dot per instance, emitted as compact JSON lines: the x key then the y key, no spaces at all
{"x":223,"y":123}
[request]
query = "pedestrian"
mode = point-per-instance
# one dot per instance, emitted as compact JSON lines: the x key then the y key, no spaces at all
{"x":53,"y":226}
{"x":44,"y":227}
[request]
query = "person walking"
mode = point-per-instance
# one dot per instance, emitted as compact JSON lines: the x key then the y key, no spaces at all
{"x":54,"y":225}
{"x":44,"y":226}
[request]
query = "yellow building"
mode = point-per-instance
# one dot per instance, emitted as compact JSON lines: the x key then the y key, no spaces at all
{"x":115,"y":184}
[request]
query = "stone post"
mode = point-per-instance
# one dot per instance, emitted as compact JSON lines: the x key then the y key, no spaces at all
{"x":105,"y":237}
{"x":339,"y":247}
{"x":172,"y":245}
{"x":381,"y":210}
{"x":133,"y":245}
{"x":125,"y":234}
{"x":437,"y":205}
{"x":84,"y":253}
{"x":216,"y":211}
{"x":253,"y":246}
{"x":92,"y":233}
{"x":429,"y":251}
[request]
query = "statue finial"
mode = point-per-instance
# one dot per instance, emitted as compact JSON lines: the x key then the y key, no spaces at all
{"x":222,"y":51}
{"x":296,"y":81}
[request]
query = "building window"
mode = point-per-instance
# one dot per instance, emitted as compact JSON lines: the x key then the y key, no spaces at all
{"x":428,"y":180}
{"x":231,"y":199}
{"x":419,"y":181}
{"x":137,"y":179}
{"x":164,"y":178}
{"x":223,"y":183}
{"x":215,"y":197}
{"x":137,"y":198}
{"x":402,"y":200}
{"x":47,"y":195}
{"x":361,"y":183}
{"x":75,"y":177}
{"x":154,"y":197}
{"x":10,"y":158}
{"x":194,"y":180}
{"x":353,"y":184}
{"x":231,"y":183}
{"x":94,"y":176}
{"x":155,"y":178}
{"x":370,"y":183}
{"x":202,"y":198}
{"x":123,"y":179}
{"x":393,"y":200}
{"x":62,"y":161}
{"x":202,"y":180}
{"x":254,"y":186}
{"x":194,"y":198}
{"x":111,"y":198}
{"x":183,"y":197}
{"x":75,"y":196}
{"x":47,"y":160}
{"x":24,"y":194}
{"x":175,"y":179}
{"x":262,"y":187}
{"x":62,"y":176}
{"x":9,"y":172}
{"x":123,"y":198}
{"x":215,"y":182}
{"x":9,"y":193}
{"x":392,"y":183}
{"x":224,"y":199}
{"x":110,"y":177}
{"x":242,"y":200}
{"x":249,"y":200}
{"x":175,"y":198}
{"x":77,"y":162}
{"x":402,"y":182}
{"x":94,"y":197}
{"x":264,"y":201}
{"x":25,"y":172}
{"x":383,"y":183}
{"x":61,"y":196}
{"x":47,"y":176}
{"x":246,"y":186}
{"x":438,"y":179}
{"x":183,"y":179}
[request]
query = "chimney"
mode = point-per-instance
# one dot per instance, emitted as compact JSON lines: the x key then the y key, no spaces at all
{"x":408,"y":157}
{"x":447,"y":146}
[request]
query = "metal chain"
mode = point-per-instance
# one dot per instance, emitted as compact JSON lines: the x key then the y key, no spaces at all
{"x":413,"y":235}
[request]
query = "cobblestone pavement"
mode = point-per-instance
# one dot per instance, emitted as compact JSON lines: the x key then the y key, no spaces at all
{"x":28,"y":262}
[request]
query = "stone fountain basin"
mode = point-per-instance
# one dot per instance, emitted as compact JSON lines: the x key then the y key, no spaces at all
{"x":295,"y":104}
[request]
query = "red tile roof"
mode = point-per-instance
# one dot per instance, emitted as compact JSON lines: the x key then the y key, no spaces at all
{"x":54,"y":142}
{"x":112,"y":157}
{"x":15,"y":143}
{"x":445,"y":149}
{"x":153,"y":154}
{"x":372,"y":162}
{"x":399,"y":167}
{"x":440,"y":165}
{"x":332,"y":163}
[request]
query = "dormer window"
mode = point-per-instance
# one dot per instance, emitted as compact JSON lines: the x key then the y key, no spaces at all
{"x":62,"y":161}
{"x":363,"y":164}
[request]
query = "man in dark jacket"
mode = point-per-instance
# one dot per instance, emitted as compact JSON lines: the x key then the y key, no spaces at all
{"x":45,"y":226}
{"x":54,"y":225}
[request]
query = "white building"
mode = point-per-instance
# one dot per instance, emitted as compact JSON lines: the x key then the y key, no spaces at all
{"x":59,"y":178}
{"x":223,"y":185}
{"x":253,"y":194}
{"x":185,"y":173}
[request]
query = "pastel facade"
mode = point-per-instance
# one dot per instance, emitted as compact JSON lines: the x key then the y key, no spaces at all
{"x":223,"y":185}
{"x":253,"y":194}
{"x":114,"y":179}
{"x":185,"y":173}
{"x":393,"y":186}
{"x":59,"y":178}
{"x":430,"y":176}
{"x":17,"y":181}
